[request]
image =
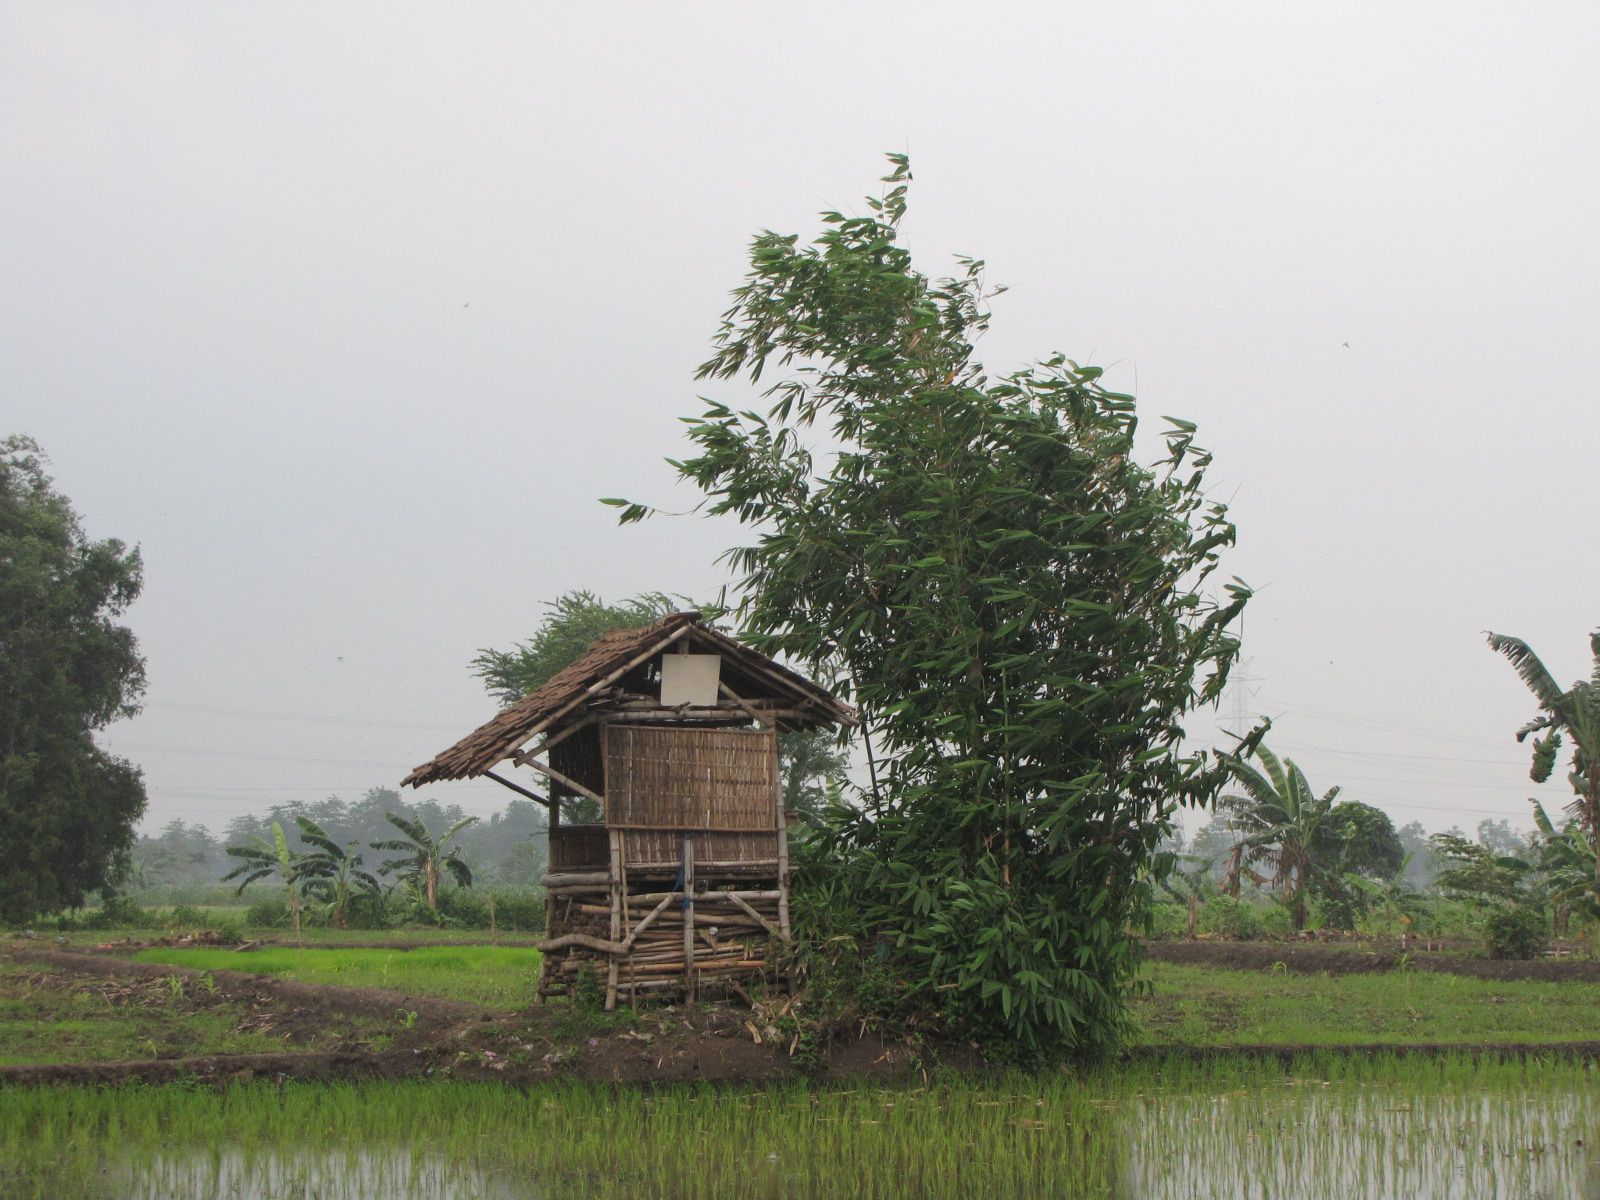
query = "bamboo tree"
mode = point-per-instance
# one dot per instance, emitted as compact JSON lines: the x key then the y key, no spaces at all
{"x":1020,"y":609}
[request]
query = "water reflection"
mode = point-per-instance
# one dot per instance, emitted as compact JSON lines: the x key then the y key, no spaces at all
{"x":397,"y":1172}
{"x":1318,"y":1141}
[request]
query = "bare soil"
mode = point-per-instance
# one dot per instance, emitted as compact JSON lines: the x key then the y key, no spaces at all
{"x":451,"y":1038}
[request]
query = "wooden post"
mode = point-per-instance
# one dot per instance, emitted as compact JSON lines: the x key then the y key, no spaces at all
{"x":688,"y":919}
{"x":783,"y":860}
{"x":614,"y":837}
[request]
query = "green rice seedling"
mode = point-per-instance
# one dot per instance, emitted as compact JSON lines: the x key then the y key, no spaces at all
{"x":1461,"y":1126}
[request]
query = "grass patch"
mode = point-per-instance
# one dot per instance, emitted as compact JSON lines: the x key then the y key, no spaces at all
{"x":318,"y":935}
{"x":1210,"y":1006}
{"x":496,"y":976}
{"x":47,"y":1019}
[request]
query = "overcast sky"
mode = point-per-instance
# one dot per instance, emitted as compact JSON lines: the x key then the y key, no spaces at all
{"x":347,"y":314}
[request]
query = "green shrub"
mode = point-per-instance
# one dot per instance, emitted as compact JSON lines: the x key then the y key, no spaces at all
{"x":267,"y":913}
{"x":116,"y":913}
{"x":184,"y":917}
{"x":367,"y":910}
{"x":463,"y":908}
{"x":1168,"y":920}
{"x":520,"y":911}
{"x":1228,"y":916}
{"x":1516,"y":933}
{"x":1274,"y":920}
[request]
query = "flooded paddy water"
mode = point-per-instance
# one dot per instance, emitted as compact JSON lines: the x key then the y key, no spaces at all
{"x":1397,"y":1128}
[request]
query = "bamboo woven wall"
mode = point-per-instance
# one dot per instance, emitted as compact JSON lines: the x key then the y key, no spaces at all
{"x":691,"y":779}
{"x":663,"y":847}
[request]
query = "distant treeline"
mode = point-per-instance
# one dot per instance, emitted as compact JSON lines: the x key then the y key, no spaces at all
{"x":504,"y":850}
{"x":1214,"y":841}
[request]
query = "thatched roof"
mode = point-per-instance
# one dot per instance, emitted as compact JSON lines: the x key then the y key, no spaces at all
{"x":572,"y":690}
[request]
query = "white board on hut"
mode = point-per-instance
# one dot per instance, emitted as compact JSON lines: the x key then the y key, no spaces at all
{"x":690,"y":678}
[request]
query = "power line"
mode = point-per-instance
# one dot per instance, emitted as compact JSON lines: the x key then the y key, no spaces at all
{"x":1327,"y":714}
{"x":259,"y":755}
{"x":302,"y":718}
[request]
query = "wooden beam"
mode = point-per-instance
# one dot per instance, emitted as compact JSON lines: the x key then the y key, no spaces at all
{"x":614,"y":839}
{"x":576,"y":879}
{"x":688,"y":919}
{"x":566,"y":781}
{"x":520,"y":790}
{"x":745,"y":908}
{"x":549,"y":743}
{"x":650,"y":917}
{"x":584,"y":940}
{"x":740,"y":701}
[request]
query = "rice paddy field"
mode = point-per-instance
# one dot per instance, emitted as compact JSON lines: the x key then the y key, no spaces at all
{"x":1210,"y":1006}
{"x":1454,"y":1127}
{"x":1169,"y":1122}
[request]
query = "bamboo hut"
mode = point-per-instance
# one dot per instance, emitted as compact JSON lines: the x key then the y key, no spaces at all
{"x":682,"y":885}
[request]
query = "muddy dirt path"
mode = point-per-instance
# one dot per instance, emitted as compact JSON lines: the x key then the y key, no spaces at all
{"x":376,"y":1002}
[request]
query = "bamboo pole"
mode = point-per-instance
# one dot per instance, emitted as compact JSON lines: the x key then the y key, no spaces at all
{"x":615,"y":841}
{"x":774,"y":930}
{"x":688,"y":919}
{"x":566,"y":781}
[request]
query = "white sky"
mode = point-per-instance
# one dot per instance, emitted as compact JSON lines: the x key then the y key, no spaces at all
{"x":347,"y":313}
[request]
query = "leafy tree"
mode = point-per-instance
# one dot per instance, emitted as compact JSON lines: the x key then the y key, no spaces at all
{"x":1356,"y":864}
{"x":331,"y":873}
{"x":1500,"y":837}
{"x":1573,"y":713}
{"x":1475,"y":873}
{"x":1364,"y":841}
{"x":808,"y":761}
{"x":1213,"y":844}
{"x":260,"y":859}
{"x":424,"y":857}
{"x":67,"y":669}
{"x":576,"y":619}
{"x":1015,"y":602}
{"x":1421,"y":866}
{"x":1281,"y":822}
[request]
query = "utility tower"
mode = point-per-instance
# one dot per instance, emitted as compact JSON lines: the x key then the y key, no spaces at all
{"x":1242,"y":692}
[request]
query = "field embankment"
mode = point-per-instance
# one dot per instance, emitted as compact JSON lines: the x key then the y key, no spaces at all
{"x":1358,"y":959}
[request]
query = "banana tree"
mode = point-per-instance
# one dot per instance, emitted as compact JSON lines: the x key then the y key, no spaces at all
{"x":1282,"y":823}
{"x":261,"y":859}
{"x":331,"y":873}
{"x":1567,"y":858}
{"x":1573,"y":713}
{"x":423,"y":857}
